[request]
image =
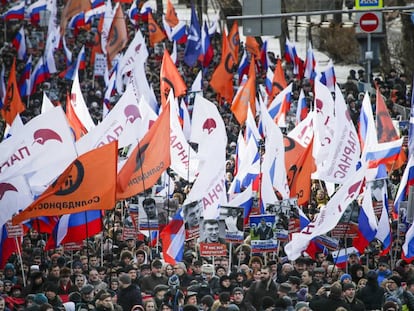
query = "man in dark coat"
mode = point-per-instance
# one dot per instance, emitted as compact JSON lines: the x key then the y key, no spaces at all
{"x":259,"y":289}
{"x":149,"y":282}
{"x":129,"y":294}
{"x":328,"y":302}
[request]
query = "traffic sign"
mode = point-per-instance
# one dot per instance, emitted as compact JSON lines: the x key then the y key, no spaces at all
{"x":369,"y":22}
{"x":368,"y":4}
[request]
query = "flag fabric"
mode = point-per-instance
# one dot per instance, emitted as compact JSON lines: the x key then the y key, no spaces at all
{"x":407,"y":180}
{"x":302,"y":107}
{"x":15,"y":12}
{"x":170,"y":15}
{"x":179,"y":33}
{"x":233,"y":40}
{"x":408,"y":246}
{"x":72,"y":8}
{"x":156,"y":35}
{"x":33,"y":11}
{"x":41,"y":224}
{"x":264,"y":59}
{"x":172,"y":239}
{"x":75,"y":189}
{"x":208,"y":131}
{"x":24,"y":80}
{"x":15,"y":195}
{"x":79,"y":104}
{"x":328,"y":216}
{"x":310,"y":64}
{"x":19,"y":43}
{"x":252,"y":46}
{"x":136,"y":53}
{"x":279,"y":81}
{"x":13,"y":104}
{"x":80,"y":64}
{"x":291,"y":56}
{"x":411,"y":126}
{"x":75,"y":124}
{"x":244,"y":66}
{"x":207,"y":52}
{"x":78,"y":226}
{"x":268,"y":80}
{"x":133,"y":13}
{"x":8,"y":245}
{"x":246,"y":96}
{"x":222,"y":78}
{"x":170,"y":78}
{"x":118,"y":35}
{"x":328,"y":77}
{"x":145,"y":11}
{"x":77,"y":22}
{"x":384,"y":234}
{"x":340,"y":257}
{"x":148,"y":160}
{"x":105,"y":23}
{"x":39,"y":75}
{"x":46,"y":133}
{"x":367,"y":223}
{"x":3,"y":89}
{"x":193,"y":47}
{"x":245,"y":200}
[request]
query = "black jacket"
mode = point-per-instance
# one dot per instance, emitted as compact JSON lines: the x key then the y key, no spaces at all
{"x":129,"y":297}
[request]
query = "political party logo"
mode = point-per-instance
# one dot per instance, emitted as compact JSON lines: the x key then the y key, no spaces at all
{"x":209,"y":125}
{"x":132,"y":113}
{"x":41,"y":136}
{"x":4,"y":187}
{"x":73,"y":181}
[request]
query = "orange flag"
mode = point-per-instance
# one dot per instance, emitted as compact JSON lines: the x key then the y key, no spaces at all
{"x":234,"y":41}
{"x":72,"y":8}
{"x":13,"y":104}
{"x":299,"y":167}
{"x":155,"y":33}
{"x":279,"y":81}
{"x":118,"y":36}
{"x":170,"y":78}
{"x":222,"y":78}
{"x":75,"y":124}
{"x":149,"y":159}
{"x":245,"y":96}
{"x":89,"y":183}
{"x":171,"y":16}
{"x":253,"y":47}
{"x":387,"y":132}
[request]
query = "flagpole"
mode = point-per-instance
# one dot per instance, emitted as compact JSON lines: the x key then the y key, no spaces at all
{"x":20,"y":260}
{"x":230,"y":257}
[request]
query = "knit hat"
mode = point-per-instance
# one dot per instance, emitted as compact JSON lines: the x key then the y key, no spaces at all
{"x":87,"y":289}
{"x":285,"y":287}
{"x":267,"y":302}
{"x":347,"y":286}
{"x":207,"y":268}
{"x":396,"y":279}
{"x":238,"y":290}
{"x":40,"y":299}
{"x":344,"y":277}
{"x":372,"y":275}
{"x":300,"y":305}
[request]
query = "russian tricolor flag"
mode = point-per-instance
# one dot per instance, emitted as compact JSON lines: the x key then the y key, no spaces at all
{"x":133,"y":13}
{"x":173,"y":237}
{"x":383,"y":153}
{"x":367,"y":223}
{"x":97,"y":3}
{"x":77,"y":22}
{"x":310,"y":64}
{"x":302,"y":108}
{"x":8,"y":246}
{"x":16,"y":12}
{"x":145,"y":10}
{"x":244,"y":199}
{"x":408,"y":246}
{"x":39,"y":75}
{"x":243,"y":66}
{"x":407,"y":180}
{"x":19,"y":43}
{"x":34,"y":11}
{"x":24,"y":81}
{"x":263,"y":57}
{"x":340,"y":258}
{"x":179,"y":33}
{"x":328,"y":77}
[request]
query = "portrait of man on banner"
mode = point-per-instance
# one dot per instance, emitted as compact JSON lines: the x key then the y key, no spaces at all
{"x":192,"y":215}
{"x":212,"y":231}
{"x":234,"y":222}
{"x":148,"y":214}
{"x":262,"y":233}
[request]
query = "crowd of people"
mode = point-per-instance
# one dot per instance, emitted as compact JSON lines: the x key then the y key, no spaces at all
{"x":113,"y":273}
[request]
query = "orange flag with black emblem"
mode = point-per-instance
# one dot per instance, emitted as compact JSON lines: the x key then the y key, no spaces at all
{"x":155,"y":33}
{"x":234,"y":41}
{"x":118,"y":36}
{"x":149,"y":159}
{"x":245,"y":96}
{"x":170,"y":15}
{"x":299,"y":164}
{"x":88,"y":183}
{"x":279,"y":81}
{"x":222,"y":78}
{"x":170,"y":78}
{"x":13,"y":104}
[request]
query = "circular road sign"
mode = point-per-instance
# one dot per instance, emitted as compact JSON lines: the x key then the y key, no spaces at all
{"x":368,"y":22}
